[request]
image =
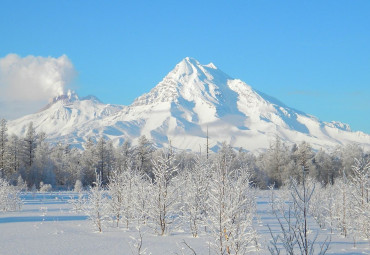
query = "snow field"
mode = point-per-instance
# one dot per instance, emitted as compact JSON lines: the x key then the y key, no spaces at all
{"x":47,"y":224}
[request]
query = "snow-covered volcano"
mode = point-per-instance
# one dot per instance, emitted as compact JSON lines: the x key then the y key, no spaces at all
{"x":62,"y":119}
{"x":190,"y":100}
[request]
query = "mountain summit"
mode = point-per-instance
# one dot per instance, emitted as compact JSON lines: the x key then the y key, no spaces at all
{"x":191,"y":101}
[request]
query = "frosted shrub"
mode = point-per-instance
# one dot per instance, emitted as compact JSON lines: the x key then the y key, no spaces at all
{"x":45,"y":187}
{"x":78,"y":203}
{"x":9,"y":197}
{"x":78,"y":186}
{"x":21,"y":184}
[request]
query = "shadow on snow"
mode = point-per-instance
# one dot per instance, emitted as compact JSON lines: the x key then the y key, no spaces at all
{"x":41,"y":219}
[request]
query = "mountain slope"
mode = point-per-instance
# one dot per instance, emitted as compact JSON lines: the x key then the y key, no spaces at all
{"x":62,"y":118}
{"x":190,"y":100}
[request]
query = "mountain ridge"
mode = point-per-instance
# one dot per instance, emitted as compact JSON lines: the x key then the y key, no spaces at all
{"x":191,"y":99}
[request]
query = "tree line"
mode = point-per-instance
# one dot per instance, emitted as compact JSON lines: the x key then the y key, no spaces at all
{"x":34,"y":160}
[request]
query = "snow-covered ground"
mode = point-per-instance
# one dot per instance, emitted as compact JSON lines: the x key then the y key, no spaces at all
{"x":47,"y":225}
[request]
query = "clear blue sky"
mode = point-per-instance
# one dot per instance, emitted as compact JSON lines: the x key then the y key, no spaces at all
{"x":312,"y":55}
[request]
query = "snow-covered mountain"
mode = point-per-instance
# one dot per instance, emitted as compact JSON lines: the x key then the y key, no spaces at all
{"x":63,"y":118}
{"x":190,"y":100}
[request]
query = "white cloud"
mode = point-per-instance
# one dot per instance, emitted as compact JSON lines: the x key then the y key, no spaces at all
{"x":28,"y":83}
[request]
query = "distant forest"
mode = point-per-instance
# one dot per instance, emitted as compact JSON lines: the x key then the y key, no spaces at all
{"x":31,"y":159}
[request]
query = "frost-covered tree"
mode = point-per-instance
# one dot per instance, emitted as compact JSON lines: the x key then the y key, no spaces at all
{"x":43,"y":168}
{"x":360,"y":199}
{"x":143,"y":157}
{"x":136,"y":196}
{"x":273,"y":162}
{"x":129,"y":193}
{"x":164,"y":190}
{"x":28,"y":153}
{"x":348,"y":154}
{"x":324,"y":171}
{"x":319,"y":210}
{"x":88,"y":163}
{"x":230,"y":207}
{"x":361,"y":180}
{"x":96,"y":207}
{"x":3,"y":147}
{"x":29,"y":145}
{"x":61,"y":160}
{"x":14,"y":158}
{"x":110,"y":158}
{"x":117,"y":193}
{"x":343,"y":204}
{"x":248,"y":160}
{"x":74,"y":167}
{"x":302,"y":157}
{"x":302,"y":198}
{"x":194,"y":199}
{"x":101,"y":154}
{"x":123,"y":155}
{"x":294,"y":224}
{"x":328,"y":214}
{"x":104,"y":159}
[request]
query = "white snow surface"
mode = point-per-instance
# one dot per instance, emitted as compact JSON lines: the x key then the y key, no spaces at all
{"x":189,"y":100}
{"x":47,"y":225}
